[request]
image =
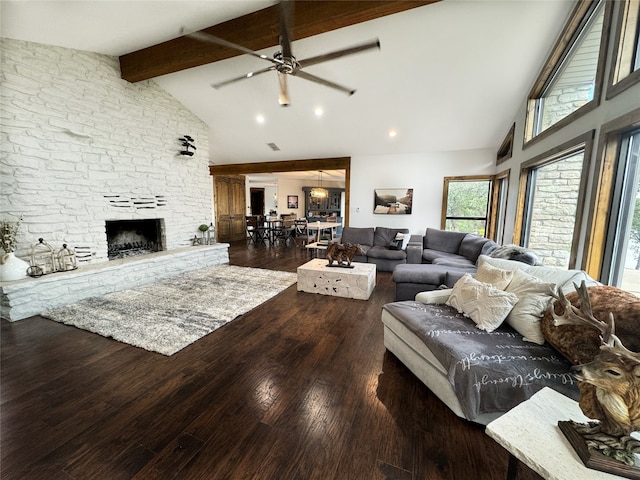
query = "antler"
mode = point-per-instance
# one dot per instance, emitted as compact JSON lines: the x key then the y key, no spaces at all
{"x":583,"y":315}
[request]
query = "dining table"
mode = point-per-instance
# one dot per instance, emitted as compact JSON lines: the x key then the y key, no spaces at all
{"x":319,"y":227}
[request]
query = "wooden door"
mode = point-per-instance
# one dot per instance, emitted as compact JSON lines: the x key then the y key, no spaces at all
{"x":238,"y":209}
{"x":229,"y":194}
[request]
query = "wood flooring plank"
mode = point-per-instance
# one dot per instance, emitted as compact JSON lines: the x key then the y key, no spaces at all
{"x":168,"y":463}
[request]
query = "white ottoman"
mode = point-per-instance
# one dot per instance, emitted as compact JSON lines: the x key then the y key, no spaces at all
{"x":358,"y":282}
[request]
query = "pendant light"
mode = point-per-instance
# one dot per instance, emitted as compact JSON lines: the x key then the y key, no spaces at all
{"x":319,"y":192}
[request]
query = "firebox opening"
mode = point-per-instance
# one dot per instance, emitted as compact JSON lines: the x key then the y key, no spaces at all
{"x":128,"y":238}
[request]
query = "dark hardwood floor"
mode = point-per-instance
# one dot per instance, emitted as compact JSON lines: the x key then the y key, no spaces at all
{"x":299,"y":388}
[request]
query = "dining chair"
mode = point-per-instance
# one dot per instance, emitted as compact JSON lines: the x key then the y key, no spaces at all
{"x":256,"y":232}
{"x":302,"y":236}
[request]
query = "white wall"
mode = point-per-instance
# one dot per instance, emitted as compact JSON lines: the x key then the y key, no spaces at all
{"x":75,"y":136}
{"x":424,"y":172}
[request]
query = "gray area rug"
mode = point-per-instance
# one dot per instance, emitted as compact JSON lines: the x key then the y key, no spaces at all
{"x":167,"y":316}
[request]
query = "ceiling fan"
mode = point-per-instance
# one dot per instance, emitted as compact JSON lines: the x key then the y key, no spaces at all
{"x":283,"y":61}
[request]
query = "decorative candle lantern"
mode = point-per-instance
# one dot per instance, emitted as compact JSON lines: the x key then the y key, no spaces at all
{"x":211,"y":234}
{"x":43,"y":258}
{"x":66,"y":259}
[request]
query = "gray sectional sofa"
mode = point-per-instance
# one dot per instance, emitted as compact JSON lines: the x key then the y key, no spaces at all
{"x":438,"y":258}
{"x":377,"y":244}
{"x":480,"y":374}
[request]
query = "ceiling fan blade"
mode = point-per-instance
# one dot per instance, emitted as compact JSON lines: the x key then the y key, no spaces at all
{"x":322,"y":81}
{"x":286,"y":20}
{"x":340,"y":53}
{"x":283,"y":98}
{"x":243,"y":77}
{"x":208,"y":38}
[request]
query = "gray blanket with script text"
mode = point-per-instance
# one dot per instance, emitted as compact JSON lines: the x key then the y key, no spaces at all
{"x":489,"y":372}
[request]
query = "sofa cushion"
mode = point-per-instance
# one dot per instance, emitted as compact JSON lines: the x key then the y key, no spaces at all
{"x":458,"y":262}
{"x":483,"y":303}
{"x":362,"y":236}
{"x":533,"y":299}
{"x":417,"y":273}
{"x":384,"y":236}
{"x":386,"y":253}
{"x":453,"y":275}
{"x":471,"y":246}
{"x":443,"y":241}
{"x":429,"y":255}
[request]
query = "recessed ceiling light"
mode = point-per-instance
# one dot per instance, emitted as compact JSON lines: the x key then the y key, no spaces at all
{"x":318,"y":111}
{"x":392,"y":133}
{"x":260,"y":118}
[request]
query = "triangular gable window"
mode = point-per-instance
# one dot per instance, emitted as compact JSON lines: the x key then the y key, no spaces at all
{"x":571,"y":79}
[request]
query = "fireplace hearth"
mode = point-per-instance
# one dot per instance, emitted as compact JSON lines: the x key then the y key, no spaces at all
{"x":129,"y":238}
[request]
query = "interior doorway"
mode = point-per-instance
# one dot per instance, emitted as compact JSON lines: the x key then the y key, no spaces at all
{"x":257,"y":201}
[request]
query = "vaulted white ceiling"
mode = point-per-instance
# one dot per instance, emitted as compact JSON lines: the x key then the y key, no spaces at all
{"x":449,"y":76}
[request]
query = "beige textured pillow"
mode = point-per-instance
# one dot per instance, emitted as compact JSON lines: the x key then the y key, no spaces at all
{"x":497,"y":277}
{"x":533,"y":300}
{"x":483,"y":303}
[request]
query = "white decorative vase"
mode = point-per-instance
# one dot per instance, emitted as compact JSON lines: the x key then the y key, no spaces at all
{"x":12,"y":268}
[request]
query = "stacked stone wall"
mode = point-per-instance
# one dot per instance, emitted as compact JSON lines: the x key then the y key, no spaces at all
{"x":554,"y":210}
{"x":80,"y":146}
{"x":562,"y":102}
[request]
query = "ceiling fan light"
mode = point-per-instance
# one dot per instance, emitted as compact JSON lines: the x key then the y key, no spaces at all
{"x":283,"y":98}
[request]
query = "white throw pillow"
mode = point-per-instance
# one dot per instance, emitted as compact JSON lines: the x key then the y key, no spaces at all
{"x":497,"y":277}
{"x":533,"y":300}
{"x":404,"y":238}
{"x":558,"y":276}
{"x":482,"y":302}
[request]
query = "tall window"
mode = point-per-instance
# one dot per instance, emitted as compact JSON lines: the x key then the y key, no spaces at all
{"x":552,"y":189}
{"x":499,"y":206}
{"x":621,"y":266}
{"x":466,"y":203}
{"x":571,"y":80}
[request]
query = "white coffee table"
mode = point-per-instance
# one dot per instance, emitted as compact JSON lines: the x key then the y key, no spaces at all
{"x":530,"y":433}
{"x":358,"y":282}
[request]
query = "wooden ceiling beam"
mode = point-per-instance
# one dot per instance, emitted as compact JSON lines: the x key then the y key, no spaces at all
{"x":339,"y":163}
{"x":256,"y":31}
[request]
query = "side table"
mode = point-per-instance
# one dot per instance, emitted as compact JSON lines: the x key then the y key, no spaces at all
{"x":530,"y":433}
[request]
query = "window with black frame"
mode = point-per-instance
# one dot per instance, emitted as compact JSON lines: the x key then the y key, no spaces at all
{"x":466,"y":202}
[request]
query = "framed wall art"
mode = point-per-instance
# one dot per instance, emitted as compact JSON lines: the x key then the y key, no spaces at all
{"x":292,"y":201}
{"x":393,"y":201}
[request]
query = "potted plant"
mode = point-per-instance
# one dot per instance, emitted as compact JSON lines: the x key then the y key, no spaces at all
{"x":203,"y":228}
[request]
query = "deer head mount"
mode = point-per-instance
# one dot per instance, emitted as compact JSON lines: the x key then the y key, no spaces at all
{"x":610,"y":383}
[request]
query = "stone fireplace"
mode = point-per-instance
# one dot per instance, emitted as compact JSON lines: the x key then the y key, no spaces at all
{"x":88,"y":149}
{"x":129,"y":238}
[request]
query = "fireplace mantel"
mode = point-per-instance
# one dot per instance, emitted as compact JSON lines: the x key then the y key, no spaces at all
{"x":32,"y":296}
